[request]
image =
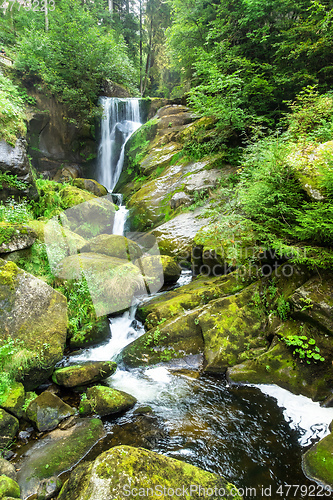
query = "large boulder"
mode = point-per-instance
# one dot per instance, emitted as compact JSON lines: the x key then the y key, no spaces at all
{"x":15,"y":162}
{"x":57,"y":452}
{"x":33,"y":315}
{"x":153,"y":265}
{"x":112,"y":282}
{"x":87,"y":373}
{"x":7,"y":469}
{"x":126,"y":472}
{"x":317,"y":462}
{"x":15,"y":237}
{"x":91,"y":185}
{"x":113,"y":245}
{"x":106,"y":401}
{"x":47,"y":411}
{"x":9,"y":488}
{"x":9,"y":426}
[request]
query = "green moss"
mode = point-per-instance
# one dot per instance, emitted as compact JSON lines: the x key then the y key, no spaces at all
{"x":9,"y":488}
{"x":8,"y":274}
{"x":318,"y":461}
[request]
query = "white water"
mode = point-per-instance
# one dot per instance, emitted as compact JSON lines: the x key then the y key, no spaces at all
{"x":121,"y":117}
{"x":120,"y":220}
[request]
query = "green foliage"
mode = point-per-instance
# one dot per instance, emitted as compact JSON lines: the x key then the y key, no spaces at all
{"x":305,"y":348}
{"x":11,"y":181}
{"x":50,"y":202}
{"x":15,"y":212}
{"x":12,"y":114}
{"x":13,"y":360}
{"x":38,"y":263}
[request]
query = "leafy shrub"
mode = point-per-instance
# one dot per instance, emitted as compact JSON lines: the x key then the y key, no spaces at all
{"x":12,"y":113}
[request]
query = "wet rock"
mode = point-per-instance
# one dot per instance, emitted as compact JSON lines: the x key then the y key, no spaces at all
{"x":18,"y":237}
{"x":65,"y":174}
{"x":13,"y":400}
{"x":15,"y":161}
{"x":72,"y":196}
{"x":48,"y":488}
{"x":91,"y":185}
{"x":7,"y":469}
{"x":179,"y":199}
{"x":9,"y":488}
{"x":34,"y":314}
{"x":317,"y":462}
{"x":153,"y":265}
{"x":114,"y":246}
{"x":55,"y":453}
{"x":176,"y":237}
{"x":143,"y":431}
{"x":125,"y":467}
{"x":314,"y":302}
{"x":91,"y":218}
{"x":68,"y":423}
{"x":106,"y":401}
{"x":84,"y":374}
{"x":175,"y":338}
{"x":47,"y":410}
{"x":9,"y":426}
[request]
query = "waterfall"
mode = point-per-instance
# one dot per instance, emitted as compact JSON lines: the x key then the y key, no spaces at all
{"x":121,"y":117}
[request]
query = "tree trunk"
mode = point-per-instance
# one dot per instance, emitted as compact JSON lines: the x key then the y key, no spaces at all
{"x":110,"y":6}
{"x":46,"y":17}
{"x":149,"y":54}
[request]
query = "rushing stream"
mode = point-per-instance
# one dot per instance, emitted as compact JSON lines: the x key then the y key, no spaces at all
{"x":252,"y":435}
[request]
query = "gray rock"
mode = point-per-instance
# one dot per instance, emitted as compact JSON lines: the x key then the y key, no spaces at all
{"x":7,"y":469}
{"x":35,"y":315}
{"x":84,"y":374}
{"x":47,"y":410}
{"x":107,"y":401}
{"x":21,"y":237}
{"x":179,"y":199}
{"x":48,"y":488}
{"x":15,"y":161}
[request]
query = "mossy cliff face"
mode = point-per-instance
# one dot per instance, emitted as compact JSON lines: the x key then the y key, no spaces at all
{"x":34,"y":314}
{"x":126,"y":472}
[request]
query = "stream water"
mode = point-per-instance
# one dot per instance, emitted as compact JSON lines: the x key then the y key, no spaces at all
{"x":252,"y":435}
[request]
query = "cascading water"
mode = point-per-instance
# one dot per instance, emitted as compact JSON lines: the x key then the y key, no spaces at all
{"x":121,"y":117}
{"x":254,"y":436}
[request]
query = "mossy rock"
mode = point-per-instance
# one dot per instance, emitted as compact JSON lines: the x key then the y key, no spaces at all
{"x":314,"y":302}
{"x":7,"y":469}
{"x":112,"y":282}
{"x":97,"y":331}
{"x":155,"y":265}
{"x":278,"y":366}
{"x":9,"y":426}
{"x":13,"y":400}
{"x":15,"y":237}
{"x":174,"y":339}
{"x":89,"y":219}
{"x":84,"y":374}
{"x":91,"y":185}
{"x":47,"y":411}
{"x":106,"y":401}
{"x":123,"y":467}
{"x":9,"y":488}
{"x":232,"y":328}
{"x":57,"y":452}
{"x":114,"y":245}
{"x":317,"y":462}
{"x":72,"y":196}
{"x":40,"y":333}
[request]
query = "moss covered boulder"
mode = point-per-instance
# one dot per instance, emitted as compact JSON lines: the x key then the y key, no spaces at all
{"x":9,"y":426}
{"x":57,"y":452}
{"x":114,"y":245}
{"x":34,"y":316}
{"x":317,"y":462}
{"x":176,"y":338}
{"x":7,"y":469}
{"x":92,"y":333}
{"x":72,"y":196}
{"x":91,"y":185}
{"x":106,"y":401}
{"x":91,"y":218}
{"x":13,"y":399}
{"x":126,"y":472}
{"x":15,"y":237}
{"x":112,"y":282}
{"x":9,"y":488}
{"x":232,"y":329}
{"x":47,"y":411}
{"x":153,"y":265}
{"x":84,"y":374}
